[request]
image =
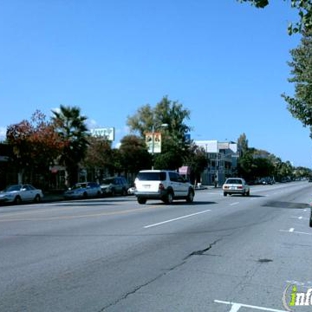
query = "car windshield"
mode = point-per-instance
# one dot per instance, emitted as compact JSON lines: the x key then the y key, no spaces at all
{"x":152,"y":176}
{"x":12,"y":188}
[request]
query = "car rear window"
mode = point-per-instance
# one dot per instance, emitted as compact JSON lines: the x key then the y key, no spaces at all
{"x":151,"y":176}
{"x":234,"y":181}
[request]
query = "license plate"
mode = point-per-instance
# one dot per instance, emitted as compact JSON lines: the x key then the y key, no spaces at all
{"x":147,"y":186}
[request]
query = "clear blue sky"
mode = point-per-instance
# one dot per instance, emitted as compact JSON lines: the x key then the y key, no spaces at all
{"x":224,"y":61}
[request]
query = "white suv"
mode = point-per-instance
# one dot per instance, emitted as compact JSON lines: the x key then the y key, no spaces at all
{"x":165,"y":185}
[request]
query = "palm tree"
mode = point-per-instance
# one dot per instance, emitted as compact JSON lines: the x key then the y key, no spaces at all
{"x":71,"y":127}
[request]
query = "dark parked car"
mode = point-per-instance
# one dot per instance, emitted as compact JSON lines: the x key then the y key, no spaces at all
{"x":114,"y":185}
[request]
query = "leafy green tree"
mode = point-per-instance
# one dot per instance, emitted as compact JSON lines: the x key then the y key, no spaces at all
{"x":175,"y":146}
{"x":245,"y":165}
{"x":302,"y":172}
{"x":70,"y":126}
{"x":242,"y":143}
{"x":304,"y":8}
{"x":300,"y":105}
{"x":197,"y":161}
{"x":284,"y":170}
{"x":116,"y":164}
{"x":263,"y":167}
{"x":99,"y":157}
{"x":134,"y":154}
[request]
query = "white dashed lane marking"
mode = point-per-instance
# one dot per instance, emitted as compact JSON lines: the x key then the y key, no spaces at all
{"x":176,"y":219}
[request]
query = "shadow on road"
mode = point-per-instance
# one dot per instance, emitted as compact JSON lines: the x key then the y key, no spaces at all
{"x":286,"y":205}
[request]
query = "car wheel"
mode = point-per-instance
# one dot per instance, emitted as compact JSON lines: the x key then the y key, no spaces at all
{"x":17,"y":200}
{"x":141,"y":201}
{"x":124,"y":192}
{"x":248,"y":193}
{"x":85,"y":195}
{"x":99,"y":194}
{"x":37,"y":199}
{"x":169,"y":198}
{"x":224,"y":194}
{"x":113,"y":192}
{"x":190,"y":196}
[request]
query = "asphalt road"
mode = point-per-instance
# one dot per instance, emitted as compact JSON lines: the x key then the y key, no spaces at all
{"x":219,"y":254}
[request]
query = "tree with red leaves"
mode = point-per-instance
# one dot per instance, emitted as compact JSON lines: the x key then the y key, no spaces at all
{"x":35,"y":144}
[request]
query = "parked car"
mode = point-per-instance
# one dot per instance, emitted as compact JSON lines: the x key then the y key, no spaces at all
{"x":114,"y":185}
{"x":266,"y":181}
{"x":235,"y":186}
{"x":83,"y":190}
{"x":131,"y":190}
{"x":19,"y":193}
{"x":165,"y":185}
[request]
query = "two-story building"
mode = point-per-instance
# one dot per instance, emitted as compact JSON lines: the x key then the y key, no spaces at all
{"x":222,"y":161}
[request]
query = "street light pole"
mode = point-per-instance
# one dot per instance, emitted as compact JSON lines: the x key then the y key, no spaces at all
{"x":153,"y":145}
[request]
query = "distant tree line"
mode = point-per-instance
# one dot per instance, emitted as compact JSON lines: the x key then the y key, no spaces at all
{"x":255,"y":163}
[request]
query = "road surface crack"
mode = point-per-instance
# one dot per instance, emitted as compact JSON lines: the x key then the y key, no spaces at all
{"x":136,"y":289}
{"x":202,"y":251}
{"x":141,"y":286}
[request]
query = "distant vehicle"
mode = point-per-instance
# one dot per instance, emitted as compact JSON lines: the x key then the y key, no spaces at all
{"x":19,"y":193}
{"x":310,"y":179}
{"x":83,"y":190}
{"x":267,"y":180}
{"x":235,"y":186}
{"x":165,"y":185}
{"x":114,"y":185}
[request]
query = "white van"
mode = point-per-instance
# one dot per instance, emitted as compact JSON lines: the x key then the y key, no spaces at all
{"x":165,"y":185}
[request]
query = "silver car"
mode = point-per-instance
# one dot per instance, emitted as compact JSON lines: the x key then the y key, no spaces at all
{"x":83,"y":190}
{"x":19,"y":193}
{"x":235,"y":186}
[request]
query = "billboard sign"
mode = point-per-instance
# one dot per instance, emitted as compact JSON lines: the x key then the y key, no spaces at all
{"x":108,"y":133}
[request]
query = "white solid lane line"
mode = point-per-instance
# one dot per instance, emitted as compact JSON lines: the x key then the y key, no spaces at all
{"x":175,"y":219}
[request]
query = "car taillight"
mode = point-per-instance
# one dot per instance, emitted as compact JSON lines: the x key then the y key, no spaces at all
{"x":240,"y":187}
{"x":161,"y":187}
